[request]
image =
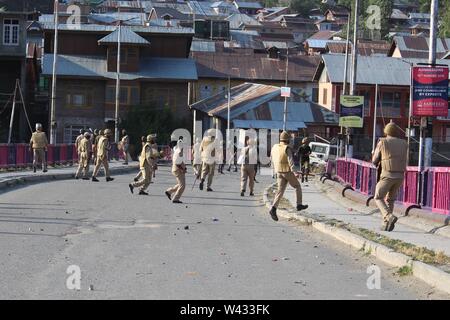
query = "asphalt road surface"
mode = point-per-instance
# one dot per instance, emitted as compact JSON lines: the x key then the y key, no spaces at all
{"x":217,"y":245}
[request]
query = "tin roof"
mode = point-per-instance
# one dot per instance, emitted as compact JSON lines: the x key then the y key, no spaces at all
{"x":127,"y":36}
{"x":96,"y":67}
{"x":238,"y":19}
{"x":248,"y":5}
{"x":247,"y":65}
{"x":365,"y":48}
{"x":259,"y":106}
{"x":49,"y":26}
{"x":418,"y":47}
{"x":389,"y":71}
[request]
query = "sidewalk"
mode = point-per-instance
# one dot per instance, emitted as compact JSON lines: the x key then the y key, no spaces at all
{"x":16,"y":178}
{"x":328,"y":204}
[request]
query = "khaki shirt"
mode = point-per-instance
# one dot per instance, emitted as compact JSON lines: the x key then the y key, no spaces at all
{"x":391,"y":154}
{"x":208,"y":151}
{"x":102,"y":147}
{"x":177,"y":160}
{"x":84,"y":147}
{"x":38,"y":140}
{"x":282,"y":158}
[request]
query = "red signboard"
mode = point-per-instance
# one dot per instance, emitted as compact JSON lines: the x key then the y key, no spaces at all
{"x":430,"y":91}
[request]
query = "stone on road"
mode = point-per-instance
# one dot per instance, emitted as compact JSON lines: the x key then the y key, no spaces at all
{"x":218,"y":245}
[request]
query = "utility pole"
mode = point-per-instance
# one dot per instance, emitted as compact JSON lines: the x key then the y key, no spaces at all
{"x":55,"y":56}
{"x":354,"y":69}
{"x":432,"y":61}
{"x":344,"y":84}
{"x":11,"y":121}
{"x":347,"y":44}
{"x":116,"y":116}
{"x":286,"y":84}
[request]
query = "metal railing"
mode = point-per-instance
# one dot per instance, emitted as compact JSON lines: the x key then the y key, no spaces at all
{"x":362,"y":177}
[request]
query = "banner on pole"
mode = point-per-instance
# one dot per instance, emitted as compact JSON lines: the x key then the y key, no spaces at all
{"x":430,"y":91}
{"x":351,"y":111}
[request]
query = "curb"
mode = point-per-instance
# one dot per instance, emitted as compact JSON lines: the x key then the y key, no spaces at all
{"x":400,"y":209}
{"x":33,"y":179}
{"x":427,"y":273}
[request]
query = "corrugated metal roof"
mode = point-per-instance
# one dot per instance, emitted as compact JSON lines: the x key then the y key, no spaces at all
{"x":107,"y":29}
{"x":420,"y":44}
{"x":248,"y":4}
{"x":261,"y":106}
{"x":323,"y":35}
{"x":321,"y":44}
{"x":247,"y":65}
{"x":237,"y":19}
{"x":127,"y":36}
{"x":129,"y":18}
{"x":96,"y":67}
{"x":389,"y":71}
{"x":268,"y":124}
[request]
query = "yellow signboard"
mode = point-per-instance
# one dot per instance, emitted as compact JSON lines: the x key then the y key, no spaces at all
{"x":351,"y":111}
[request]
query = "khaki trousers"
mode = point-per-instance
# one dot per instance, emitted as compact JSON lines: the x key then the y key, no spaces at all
{"x":146,"y":178}
{"x":385,"y":194}
{"x":283,"y":178}
{"x":83,"y":165}
{"x":248,"y":173}
{"x":208,"y":170}
{"x":197,"y":169}
{"x":39,"y":158}
{"x":101,"y":161}
{"x":178,"y":189}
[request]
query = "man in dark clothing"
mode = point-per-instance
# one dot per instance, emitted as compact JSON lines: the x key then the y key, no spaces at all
{"x":304,"y":152}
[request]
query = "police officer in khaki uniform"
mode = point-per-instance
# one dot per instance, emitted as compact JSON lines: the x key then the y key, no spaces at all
{"x":125,"y":142}
{"x":179,"y":171}
{"x":39,"y":143}
{"x":102,"y":155}
{"x":84,"y":147}
{"x":197,"y":158}
{"x":146,"y":161}
{"x":79,"y":138}
{"x":282,"y":158}
{"x":208,"y":161}
{"x":391,"y":155}
{"x":248,"y":172}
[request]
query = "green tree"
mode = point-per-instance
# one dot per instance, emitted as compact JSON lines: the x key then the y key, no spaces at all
{"x":144,"y":120}
{"x":303,"y":7}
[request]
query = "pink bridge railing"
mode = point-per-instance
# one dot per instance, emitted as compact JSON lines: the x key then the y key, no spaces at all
{"x":362,"y":177}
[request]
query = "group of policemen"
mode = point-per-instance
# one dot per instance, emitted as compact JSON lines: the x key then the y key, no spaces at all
{"x":390,"y":156}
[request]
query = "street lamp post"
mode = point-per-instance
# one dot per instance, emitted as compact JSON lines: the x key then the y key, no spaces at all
{"x":55,"y":56}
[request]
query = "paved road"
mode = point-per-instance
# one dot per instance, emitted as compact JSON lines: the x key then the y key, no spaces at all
{"x":136,"y":247}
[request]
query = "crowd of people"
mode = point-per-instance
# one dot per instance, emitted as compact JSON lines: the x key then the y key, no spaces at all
{"x":93,"y":146}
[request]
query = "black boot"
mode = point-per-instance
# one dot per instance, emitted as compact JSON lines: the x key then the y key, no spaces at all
{"x":94,"y":179}
{"x":301,"y":207}
{"x":131,"y":188}
{"x":273,"y":213}
{"x":109,"y":179}
{"x":201,"y":184}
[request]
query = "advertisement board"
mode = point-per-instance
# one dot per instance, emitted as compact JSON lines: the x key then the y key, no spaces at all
{"x":430,"y":91}
{"x":351,"y":111}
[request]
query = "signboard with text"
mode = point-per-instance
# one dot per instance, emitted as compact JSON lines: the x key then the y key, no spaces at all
{"x":430,"y":91}
{"x":351,"y":111}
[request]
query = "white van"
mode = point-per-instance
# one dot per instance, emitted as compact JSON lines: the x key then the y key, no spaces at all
{"x":322,"y":152}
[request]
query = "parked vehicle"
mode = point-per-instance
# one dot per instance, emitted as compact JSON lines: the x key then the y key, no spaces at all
{"x":322,"y":152}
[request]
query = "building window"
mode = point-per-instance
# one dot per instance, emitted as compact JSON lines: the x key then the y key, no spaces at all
{"x":71,"y":132}
{"x":315,"y":95}
{"x":160,"y":98}
{"x":324,"y":96}
{"x":390,"y":104}
{"x":11,"y":32}
{"x":128,"y":95}
{"x":79,"y":97}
